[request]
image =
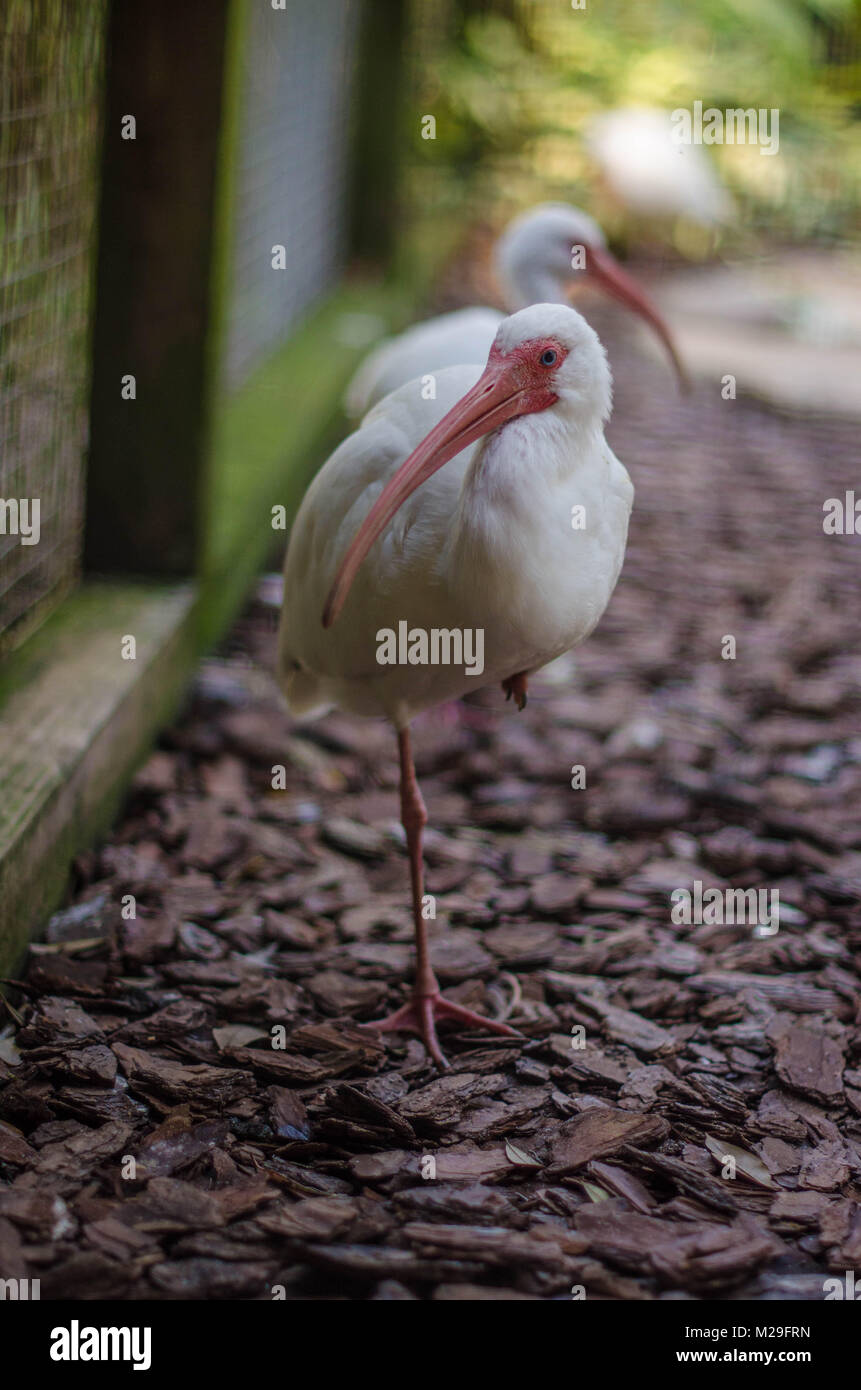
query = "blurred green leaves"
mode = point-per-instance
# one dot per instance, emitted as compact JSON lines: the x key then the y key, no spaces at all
{"x":516,"y":83}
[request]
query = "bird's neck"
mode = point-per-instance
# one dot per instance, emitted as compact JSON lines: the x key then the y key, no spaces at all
{"x":515,"y":476}
{"x":529,"y":284}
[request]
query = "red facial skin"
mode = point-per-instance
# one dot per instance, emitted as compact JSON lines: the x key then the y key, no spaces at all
{"x":512,"y":384}
{"x":528,"y":374}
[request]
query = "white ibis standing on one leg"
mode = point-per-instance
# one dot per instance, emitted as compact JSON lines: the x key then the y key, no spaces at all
{"x":541,"y":257}
{"x":387,"y":534}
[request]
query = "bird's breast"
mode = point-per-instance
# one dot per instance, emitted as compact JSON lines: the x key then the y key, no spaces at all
{"x":537,"y":552}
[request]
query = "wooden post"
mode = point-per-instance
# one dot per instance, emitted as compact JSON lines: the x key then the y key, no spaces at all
{"x":153,"y":286}
{"x":380,"y":135}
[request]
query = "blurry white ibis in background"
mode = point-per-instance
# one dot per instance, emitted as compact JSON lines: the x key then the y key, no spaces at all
{"x":651,"y":174}
{"x":455,"y":515}
{"x":533,"y":259}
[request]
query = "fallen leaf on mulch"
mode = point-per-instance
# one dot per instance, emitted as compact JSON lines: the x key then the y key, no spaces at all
{"x":746,"y":1163}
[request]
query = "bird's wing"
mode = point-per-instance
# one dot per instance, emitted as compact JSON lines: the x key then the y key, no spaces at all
{"x":447,"y":341}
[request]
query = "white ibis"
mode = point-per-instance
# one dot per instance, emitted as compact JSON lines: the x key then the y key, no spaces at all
{"x":455,"y":515}
{"x":540,"y":258}
{"x":653,"y":175}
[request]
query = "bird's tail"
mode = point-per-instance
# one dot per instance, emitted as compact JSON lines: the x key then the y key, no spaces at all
{"x":304,"y":693}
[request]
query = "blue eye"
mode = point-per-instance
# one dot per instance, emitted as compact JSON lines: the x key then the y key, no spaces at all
{"x":548,"y":357}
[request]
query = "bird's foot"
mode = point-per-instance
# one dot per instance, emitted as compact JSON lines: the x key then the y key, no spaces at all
{"x":420,"y":1016}
{"x":516,"y":685}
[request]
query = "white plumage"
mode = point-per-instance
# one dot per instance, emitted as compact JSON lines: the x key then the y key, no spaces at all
{"x":465,"y":335}
{"x":650,"y":173}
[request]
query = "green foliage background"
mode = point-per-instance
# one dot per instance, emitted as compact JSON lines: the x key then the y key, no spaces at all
{"x":514,"y":83}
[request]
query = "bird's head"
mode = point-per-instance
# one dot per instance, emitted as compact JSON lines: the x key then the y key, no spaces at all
{"x":535,"y":257}
{"x":552,"y":353}
{"x":546,"y":253}
{"x":544,"y":357}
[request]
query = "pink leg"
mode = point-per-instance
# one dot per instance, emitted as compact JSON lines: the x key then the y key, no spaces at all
{"x":457,"y":714}
{"x":427,"y":1004}
{"x":516,"y":685}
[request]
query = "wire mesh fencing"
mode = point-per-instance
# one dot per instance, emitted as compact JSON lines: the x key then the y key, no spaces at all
{"x":50,"y":87}
{"x":291,"y":176}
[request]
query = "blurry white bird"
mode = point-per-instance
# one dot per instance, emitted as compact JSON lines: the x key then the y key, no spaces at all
{"x":650,"y":173}
{"x":387,"y":534}
{"x":535,"y":264}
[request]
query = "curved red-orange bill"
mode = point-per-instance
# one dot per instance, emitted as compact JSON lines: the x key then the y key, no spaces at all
{"x":497,"y":396}
{"x":606,"y":271}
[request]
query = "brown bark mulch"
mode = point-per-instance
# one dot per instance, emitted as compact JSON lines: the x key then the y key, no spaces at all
{"x":339,"y":1167}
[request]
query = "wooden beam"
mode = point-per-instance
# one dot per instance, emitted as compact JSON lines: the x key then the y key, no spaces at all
{"x":152,"y":319}
{"x":379,"y":131}
{"x":77,"y":718}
